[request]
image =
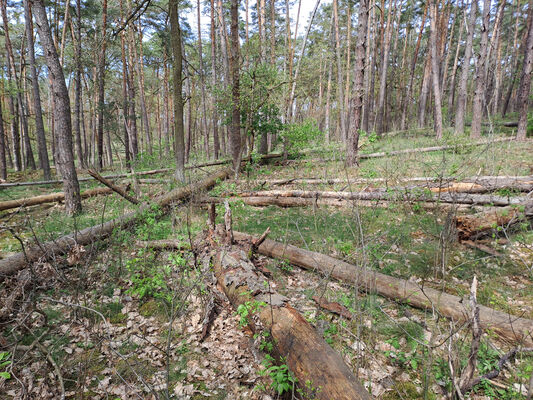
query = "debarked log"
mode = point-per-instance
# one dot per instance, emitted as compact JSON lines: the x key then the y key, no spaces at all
{"x":305,"y":352}
{"x":508,"y":326}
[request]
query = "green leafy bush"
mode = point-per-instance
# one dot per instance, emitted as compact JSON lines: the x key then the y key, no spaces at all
{"x":301,"y":136}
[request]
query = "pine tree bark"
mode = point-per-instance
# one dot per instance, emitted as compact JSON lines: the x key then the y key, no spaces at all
{"x":216,"y":144}
{"x":44,"y":163}
{"x":477,"y":106}
{"x":358,"y":85}
{"x":65,"y":157}
{"x":514,"y":63}
{"x":340,"y":84}
{"x":101,"y":87}
{"x":435,"y":71}
{"x":525,"y":80}
{"x":78,"y":89}
{"x":175,"y":32}
{"x":235,"y":137}
{"x":3,"y":165}
{"x":202,"y":81}
{"x":451,"y":88}
{"x":463,"y":81}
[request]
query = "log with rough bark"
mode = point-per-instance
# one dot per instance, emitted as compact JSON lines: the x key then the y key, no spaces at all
{"x":50,"y":198}
{"x":472,"y":227}
{"x":164,"y":244}
{"x":398,"y":195}
{"x":287,"y":202}
{"x":508,"y":326}
{"x":112,"y":186}
{"x":305,"y":352}
{"x":86,"y":236}
{"x":481,"y":184}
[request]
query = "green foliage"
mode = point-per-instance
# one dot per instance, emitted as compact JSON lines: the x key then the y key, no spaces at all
{"x":301,"y":136}
{"x":4,"y":362}
{"x":248,"y":308}
{"x":282,"y":378}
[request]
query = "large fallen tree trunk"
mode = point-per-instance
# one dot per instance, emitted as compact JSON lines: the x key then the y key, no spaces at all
{"x":91,"y":234}
{"x":49,"y":198}
{"x":473,"y":227}
{"x":506,"y":325}
{"x":305,"y":352}
{"x":432,"y":148}
{"x":437,"y":184}
{"x":399,"y":195}
{"x":287,"y":202}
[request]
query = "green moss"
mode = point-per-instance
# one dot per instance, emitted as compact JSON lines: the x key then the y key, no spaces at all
{"x":404,"y":391}
{"x":151,"y":308}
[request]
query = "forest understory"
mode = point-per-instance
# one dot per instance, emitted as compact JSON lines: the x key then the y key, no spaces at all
{"x":142,"y":315}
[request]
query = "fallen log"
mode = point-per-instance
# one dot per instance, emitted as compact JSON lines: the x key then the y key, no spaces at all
{"x":112,"y":186}
{"x":508,"y":326}
{"x":287,"y":202}
{"x":305,"y":352}
{"x":50,"y":198}
{"x":399,"y":195}
{"x":473,"y":227}
{"x":91,"y":234}
{"x":432,"y":148}
{"x":435,"y":184}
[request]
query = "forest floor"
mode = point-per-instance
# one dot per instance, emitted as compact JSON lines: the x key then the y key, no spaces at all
{"x":121,"y":320}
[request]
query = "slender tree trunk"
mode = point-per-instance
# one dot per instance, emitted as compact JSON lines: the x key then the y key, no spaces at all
{"x":407,"y":98}
{"x":3,"y":165}
{"x":178,"y":98}
{"x":202,"y":81}
{"x":216,"y":144}
{"x":359,"y":83}
{"x":435,"y":71}
{"x":273,"y":32}
{"x":235,"y":137}
{"x":525,"y":80}
{"x":65,"y":157}
{"x":78,"y":90}
{"x":166,"y":101}
{"x":369,"y":63}
{"x":340,"y":84}
{"x":514,"y":63}
{"x":384,"y":67}
{"x":125,"y":111}
{"x":424,"y":92}
{"x":477,"y":106}
{"x":328,"y":91}
{"x":44,"y":163}
{"x":451,"y":90}
{"x":101,"y":87}
{"x":465,"y":67}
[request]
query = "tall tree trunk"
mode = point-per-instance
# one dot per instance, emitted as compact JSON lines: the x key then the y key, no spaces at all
{"x":340,"y":84}
{"x":175,"y":32}
{"x":435,"y":71}
{"x":465,"y":67}
{"x":139,"y":62}
{"x":273,"y":32}
{"x":235,"y":137}
{"x":65,"y":157}
{"x":384,"y":67}
{"x":101,"y":83}
{"x":78,"y":90}
{"x":44,"y":163}
{"x":514,"y":63}
{"x":125,"y":109}
{"x":369,"y":64}
{"x":525,"y":80}
{"x":214,"y":116}
{"x":202,"y":81}
{"x":328,"y":89}
{"x":451,"y":90}
{"x":3,"y":165}
{"x":359,"y":83}
{"x":407,"y":97}
{"x":477,"y":106}
{"x":424,"y":92}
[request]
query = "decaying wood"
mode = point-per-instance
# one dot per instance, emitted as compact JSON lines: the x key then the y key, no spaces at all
{"x":49,"y":198}
{"x":333,"y":307}
{"x":400,"y":195}
{"x":91,"y":234}
{"x":483,"y":224}
{"x":483,"y":247}
{"x":209,"y":317}
{"x":304,"y":202}
{"x":112,"y":186}
{"x":305,"y":352}
{"x":506,"y":325}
